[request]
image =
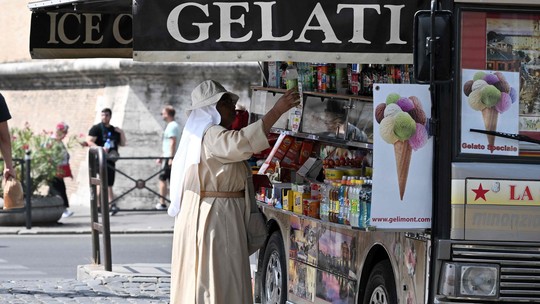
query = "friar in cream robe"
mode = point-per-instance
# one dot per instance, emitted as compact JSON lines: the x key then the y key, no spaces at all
{"x":210,"y":262}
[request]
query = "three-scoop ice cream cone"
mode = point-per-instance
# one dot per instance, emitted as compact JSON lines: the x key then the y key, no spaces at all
{"x":491,"y":94}
{"x":402,"y":123}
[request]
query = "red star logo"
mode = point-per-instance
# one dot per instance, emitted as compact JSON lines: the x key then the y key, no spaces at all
{"x":480,"y":192}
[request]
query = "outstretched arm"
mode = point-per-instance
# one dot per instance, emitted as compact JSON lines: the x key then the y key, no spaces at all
{"x":290,"y":99}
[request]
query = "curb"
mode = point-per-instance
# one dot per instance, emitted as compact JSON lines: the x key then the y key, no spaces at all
{"x":24,"y":231}
{"x":139,"y":272}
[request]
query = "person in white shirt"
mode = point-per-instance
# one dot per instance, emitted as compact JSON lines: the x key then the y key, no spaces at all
{"x":171,"y":138}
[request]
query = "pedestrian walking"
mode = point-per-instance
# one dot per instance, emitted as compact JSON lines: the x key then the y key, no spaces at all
{"x":110,"y":138}
{"x":170,"y":141}
{"x":57,"y":186}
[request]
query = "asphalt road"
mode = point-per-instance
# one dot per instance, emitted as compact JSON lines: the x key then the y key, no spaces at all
{"x":31,"y":257}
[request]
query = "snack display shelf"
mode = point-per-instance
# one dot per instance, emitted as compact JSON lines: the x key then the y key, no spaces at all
{"x":319,"y":94}
{"x":326,"y":223}
{"x":333,"y":141}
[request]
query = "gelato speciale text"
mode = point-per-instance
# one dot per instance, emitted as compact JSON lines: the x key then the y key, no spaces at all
{"x":488,"y":147}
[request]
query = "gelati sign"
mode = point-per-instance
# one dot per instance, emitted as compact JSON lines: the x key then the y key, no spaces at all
{"x":324,"y":30}
{"x":80,"y":35}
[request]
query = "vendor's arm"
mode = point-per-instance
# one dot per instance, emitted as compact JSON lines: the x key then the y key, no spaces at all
{"x":290,"y":99}
{"x":232,"y":146}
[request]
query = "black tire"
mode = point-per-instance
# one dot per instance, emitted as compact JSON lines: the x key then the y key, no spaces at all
{"x":274,"y":271}
{"x":381,"y":288}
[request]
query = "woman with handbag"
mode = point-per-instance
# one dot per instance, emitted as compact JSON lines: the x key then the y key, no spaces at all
{"x":212,"y":198}
{"x":57,"y":185}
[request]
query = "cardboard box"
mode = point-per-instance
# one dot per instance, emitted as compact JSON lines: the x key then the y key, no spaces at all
{"x":300,"y":195}
{"x":277,"y":193}
{"x":305,"y":151}
{"x":310,"y":168}
{"x":290,"y":159}
{"x":283,"y":147}
{"x":311,"y":208}
{"x":278,"y":151}
{"x":287,"y":199}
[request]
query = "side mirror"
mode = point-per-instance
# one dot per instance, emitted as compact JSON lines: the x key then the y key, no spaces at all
{"x":439,"y":46}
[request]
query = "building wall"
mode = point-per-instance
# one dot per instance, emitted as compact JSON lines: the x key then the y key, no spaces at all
{"x":44,"y":92}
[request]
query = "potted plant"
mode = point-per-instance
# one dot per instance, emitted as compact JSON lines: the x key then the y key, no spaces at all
{"x":45,"y":158}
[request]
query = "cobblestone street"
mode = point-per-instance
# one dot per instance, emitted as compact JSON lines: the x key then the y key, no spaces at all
{"x":105,"y":290}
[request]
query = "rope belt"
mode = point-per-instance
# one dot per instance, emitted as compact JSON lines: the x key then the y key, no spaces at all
{"x":238,"y":194}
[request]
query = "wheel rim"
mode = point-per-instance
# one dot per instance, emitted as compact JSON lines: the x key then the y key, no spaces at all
{"x":379,"y":296}
{"x":274,"y":279}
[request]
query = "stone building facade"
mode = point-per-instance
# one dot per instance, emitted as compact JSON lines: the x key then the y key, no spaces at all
{"x":44,"y":92}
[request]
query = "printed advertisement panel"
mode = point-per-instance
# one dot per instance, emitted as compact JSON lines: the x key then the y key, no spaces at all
{"x":501,"y":43}
{"x":489,"y":102}
{"x":403,"y":162}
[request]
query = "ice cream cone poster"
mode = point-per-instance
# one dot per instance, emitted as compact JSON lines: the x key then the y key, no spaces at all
{"x":402,"y":157}
{"x":489,"y":102}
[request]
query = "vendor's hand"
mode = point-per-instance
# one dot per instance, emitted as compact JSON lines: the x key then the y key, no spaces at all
{"x":170,"y":162}
{"x":158,"y":161}
{"x":289,"y":100}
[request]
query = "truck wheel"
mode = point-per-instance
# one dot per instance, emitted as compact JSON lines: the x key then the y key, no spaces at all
{"x":274,"y":276}
{"x":381,"y":287}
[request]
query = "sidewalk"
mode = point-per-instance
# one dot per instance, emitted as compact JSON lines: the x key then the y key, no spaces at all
{"x":122,"y":222}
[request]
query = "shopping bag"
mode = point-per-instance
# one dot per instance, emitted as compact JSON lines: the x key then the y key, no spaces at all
{"x":13,"y":194}
{"x":63,"y":170}
{"x":257,"y":230}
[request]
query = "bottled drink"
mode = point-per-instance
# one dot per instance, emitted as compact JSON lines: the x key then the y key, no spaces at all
{"x":291,"y":76}
{"x":341,"y":198}
{"x":341,"y":79}
{"x":335,"y":203}
{"x":368,"y":203}
{"x":323,"y":211}
{"x":107,"y":144}
{"x":111,"y":143}
{"x":353,"y":203}
{"x":365,"y":204}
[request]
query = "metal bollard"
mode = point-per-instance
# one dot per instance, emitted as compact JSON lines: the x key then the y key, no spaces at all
{"x":28,"y":194}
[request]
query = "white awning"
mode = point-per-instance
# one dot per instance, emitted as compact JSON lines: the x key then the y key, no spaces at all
{"x":117,"y":6}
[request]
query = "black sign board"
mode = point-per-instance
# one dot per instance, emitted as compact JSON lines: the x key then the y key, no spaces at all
{"x":376,"y":31}
{"x":79,"y":35}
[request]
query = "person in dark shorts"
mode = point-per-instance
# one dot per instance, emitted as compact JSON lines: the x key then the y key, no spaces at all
{"x":110,"y":138}
{"x":171,"y":138}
